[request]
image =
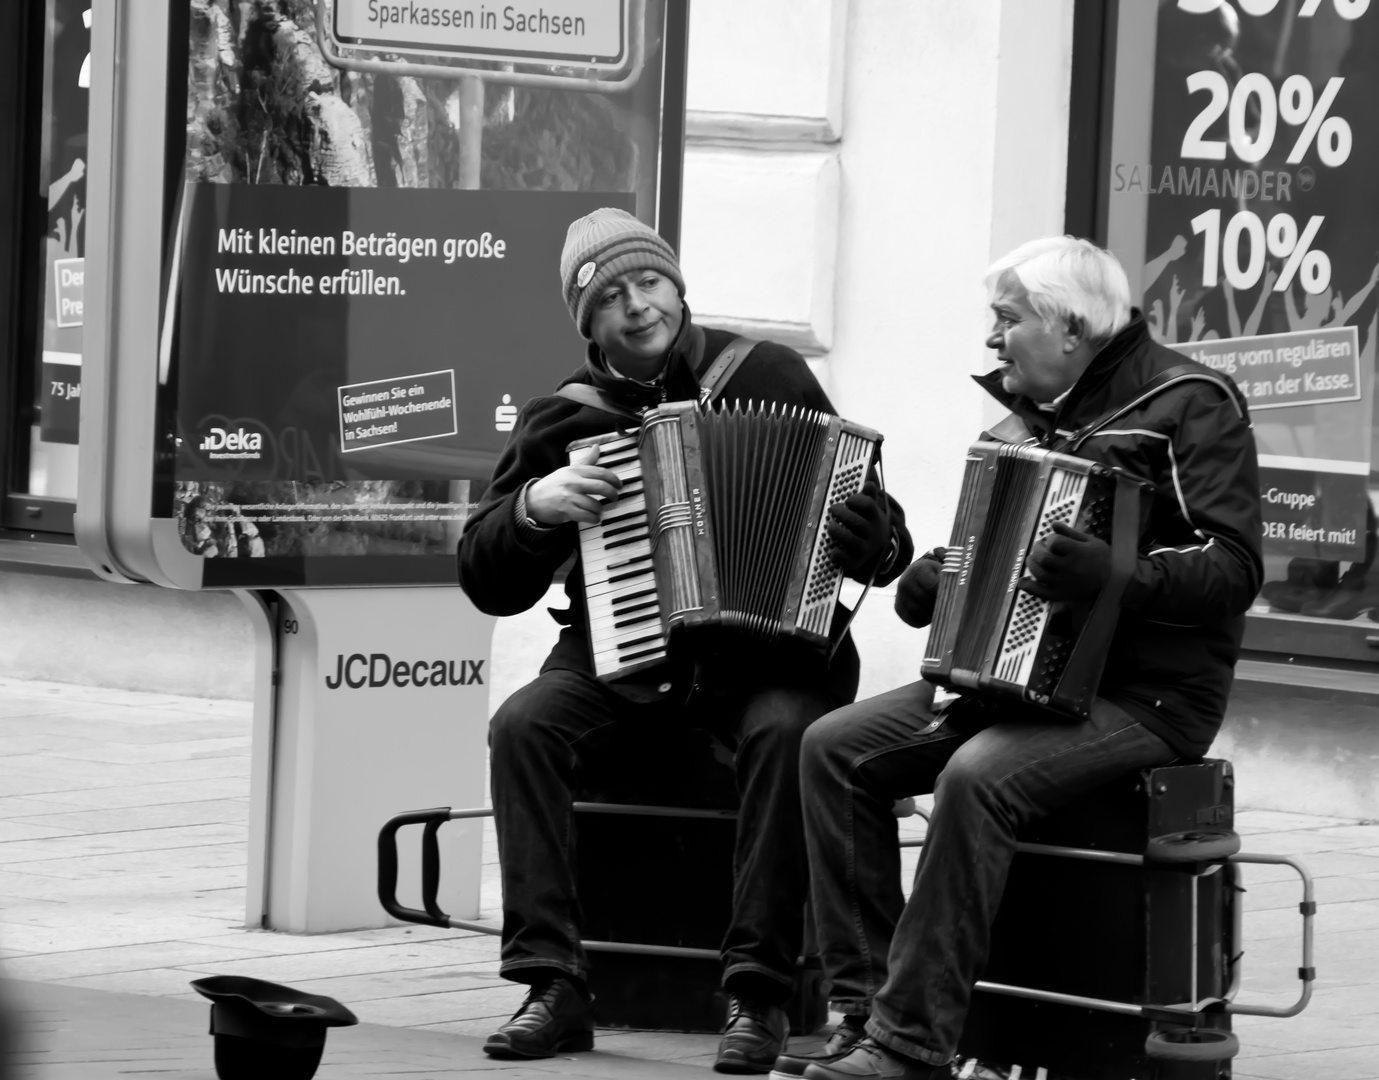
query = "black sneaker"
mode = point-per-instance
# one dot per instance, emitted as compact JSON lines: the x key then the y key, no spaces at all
{"x":754,"y":1037}
{"x":556,"y":1018}
{"x":845,"y":1036}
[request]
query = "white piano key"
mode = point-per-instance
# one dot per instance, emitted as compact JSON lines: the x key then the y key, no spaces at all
{"x":620,"y":581}
{"x":617,"y":562}
{"x":610,"y":590}
{"x":614,"y":658}
{"x":606,"y":626}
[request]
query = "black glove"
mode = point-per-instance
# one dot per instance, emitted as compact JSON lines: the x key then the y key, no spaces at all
{"x":917,"y":589}
{"x":1067,"y":565}
{"x":860,"y":528}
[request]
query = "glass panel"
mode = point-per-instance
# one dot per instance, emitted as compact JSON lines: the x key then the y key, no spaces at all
{"x":62,"y":189}
{"x":366,"y":267}
{"x":1240,"y":199}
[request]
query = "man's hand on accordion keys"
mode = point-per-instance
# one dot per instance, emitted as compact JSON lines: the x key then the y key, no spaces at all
{"x":1067,"y":565}
{"x":576,"y":492}
{"x":860,"y":528}
{"x":917,"y":589}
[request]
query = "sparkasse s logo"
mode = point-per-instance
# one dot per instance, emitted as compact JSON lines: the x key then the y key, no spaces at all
{"x":220,"y":444}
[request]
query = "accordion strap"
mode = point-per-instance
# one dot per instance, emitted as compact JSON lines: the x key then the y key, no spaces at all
{"x":1160,"y":382}
{"x":597,"y":399}
{"x":715,"y":380}
{"x":1083,"y":671}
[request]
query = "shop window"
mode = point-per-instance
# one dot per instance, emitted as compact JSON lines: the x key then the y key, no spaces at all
{"x":1234,"y":179}
{"x":46,"y":258}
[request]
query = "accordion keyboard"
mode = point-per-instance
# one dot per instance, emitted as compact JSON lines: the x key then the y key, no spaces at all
{"x":625,"y":624}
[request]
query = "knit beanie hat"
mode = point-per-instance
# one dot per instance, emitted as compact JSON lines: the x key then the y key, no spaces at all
{"x":600,"y":246}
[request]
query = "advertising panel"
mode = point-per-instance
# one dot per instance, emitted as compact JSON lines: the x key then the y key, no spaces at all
{"x":352,"y":324}
{"x":62,"y":170}
{"x":1239,"y":197}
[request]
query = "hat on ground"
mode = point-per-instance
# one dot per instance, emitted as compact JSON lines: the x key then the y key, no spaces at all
{"x":262,"y":1029}
{"x":600,"y":246}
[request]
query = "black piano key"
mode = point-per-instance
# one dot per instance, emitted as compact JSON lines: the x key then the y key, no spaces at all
{"x":628,"y":609}
{"x":625,"y":542}
{"x":613,"y":517}
{"x":624,"y":646}
{"x":638,"y":620}
{"x":622,"y":602}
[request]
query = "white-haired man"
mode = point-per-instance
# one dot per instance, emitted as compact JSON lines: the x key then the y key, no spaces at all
{"x":1079,"y":373}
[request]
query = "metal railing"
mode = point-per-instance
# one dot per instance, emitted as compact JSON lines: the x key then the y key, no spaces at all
{"x":1182,"y":859}
{"x":431,"y":821}
{"x":1182,"y":855}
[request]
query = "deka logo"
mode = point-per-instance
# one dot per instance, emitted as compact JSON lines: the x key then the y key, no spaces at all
{"x":219,"y":443}
{"x":378,"y":669}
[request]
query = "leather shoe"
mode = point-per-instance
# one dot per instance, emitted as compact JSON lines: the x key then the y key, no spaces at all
{"x":845,"y":1036}
{"x":556,"y":1018}
{"x":869,"y":1060}
{"x":754,"y":1038}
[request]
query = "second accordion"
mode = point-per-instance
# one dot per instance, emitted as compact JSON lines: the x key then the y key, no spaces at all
{"x":991,"y":636}
{"x":720,"y":522}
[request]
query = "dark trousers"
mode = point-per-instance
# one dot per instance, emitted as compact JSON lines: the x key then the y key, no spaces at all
{"x":535,"y":739}
{"x":912,"y":963}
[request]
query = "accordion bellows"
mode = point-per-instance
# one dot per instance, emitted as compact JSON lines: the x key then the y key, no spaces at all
{"x":721,"y":521}
{"x":989,"y":635}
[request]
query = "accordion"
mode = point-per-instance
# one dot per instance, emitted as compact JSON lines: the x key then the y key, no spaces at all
{"x":989,"y":635}
{"x":720,"y":521}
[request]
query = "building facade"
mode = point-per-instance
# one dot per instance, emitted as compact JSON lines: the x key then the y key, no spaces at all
{"x":851,"y":168}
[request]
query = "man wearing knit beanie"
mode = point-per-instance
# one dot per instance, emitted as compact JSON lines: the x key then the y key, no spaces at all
{"x":622,"y":284}
{"x":602,"y":245}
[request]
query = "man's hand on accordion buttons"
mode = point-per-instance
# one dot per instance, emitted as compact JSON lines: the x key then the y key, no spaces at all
{"x":575,"y":493}
{"x":1067,"y":565}
{"x":860,"y":528}
{"x":917,"y":588}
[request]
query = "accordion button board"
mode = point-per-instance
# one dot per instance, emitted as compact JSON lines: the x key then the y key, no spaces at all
{"x":987,"y":634}
{"x":721,"y":522}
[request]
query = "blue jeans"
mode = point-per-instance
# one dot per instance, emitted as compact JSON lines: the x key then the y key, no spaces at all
{"x":912,"y":964}
{"x":536,"y":738}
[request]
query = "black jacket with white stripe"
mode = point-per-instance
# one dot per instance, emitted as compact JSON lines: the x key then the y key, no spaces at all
{"x":1173,"y":655}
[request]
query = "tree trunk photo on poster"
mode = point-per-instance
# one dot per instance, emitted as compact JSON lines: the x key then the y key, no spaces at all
{"x":1240,"y":198}
{"x":366,"y":275}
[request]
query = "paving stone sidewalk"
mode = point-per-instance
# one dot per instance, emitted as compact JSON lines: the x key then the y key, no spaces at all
{"x":75,"y":1034}
{"x":122,"y":867}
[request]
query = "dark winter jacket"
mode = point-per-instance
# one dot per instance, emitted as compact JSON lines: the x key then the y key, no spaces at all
{"x":505,"y":570}
{"x":1182,"y":616}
